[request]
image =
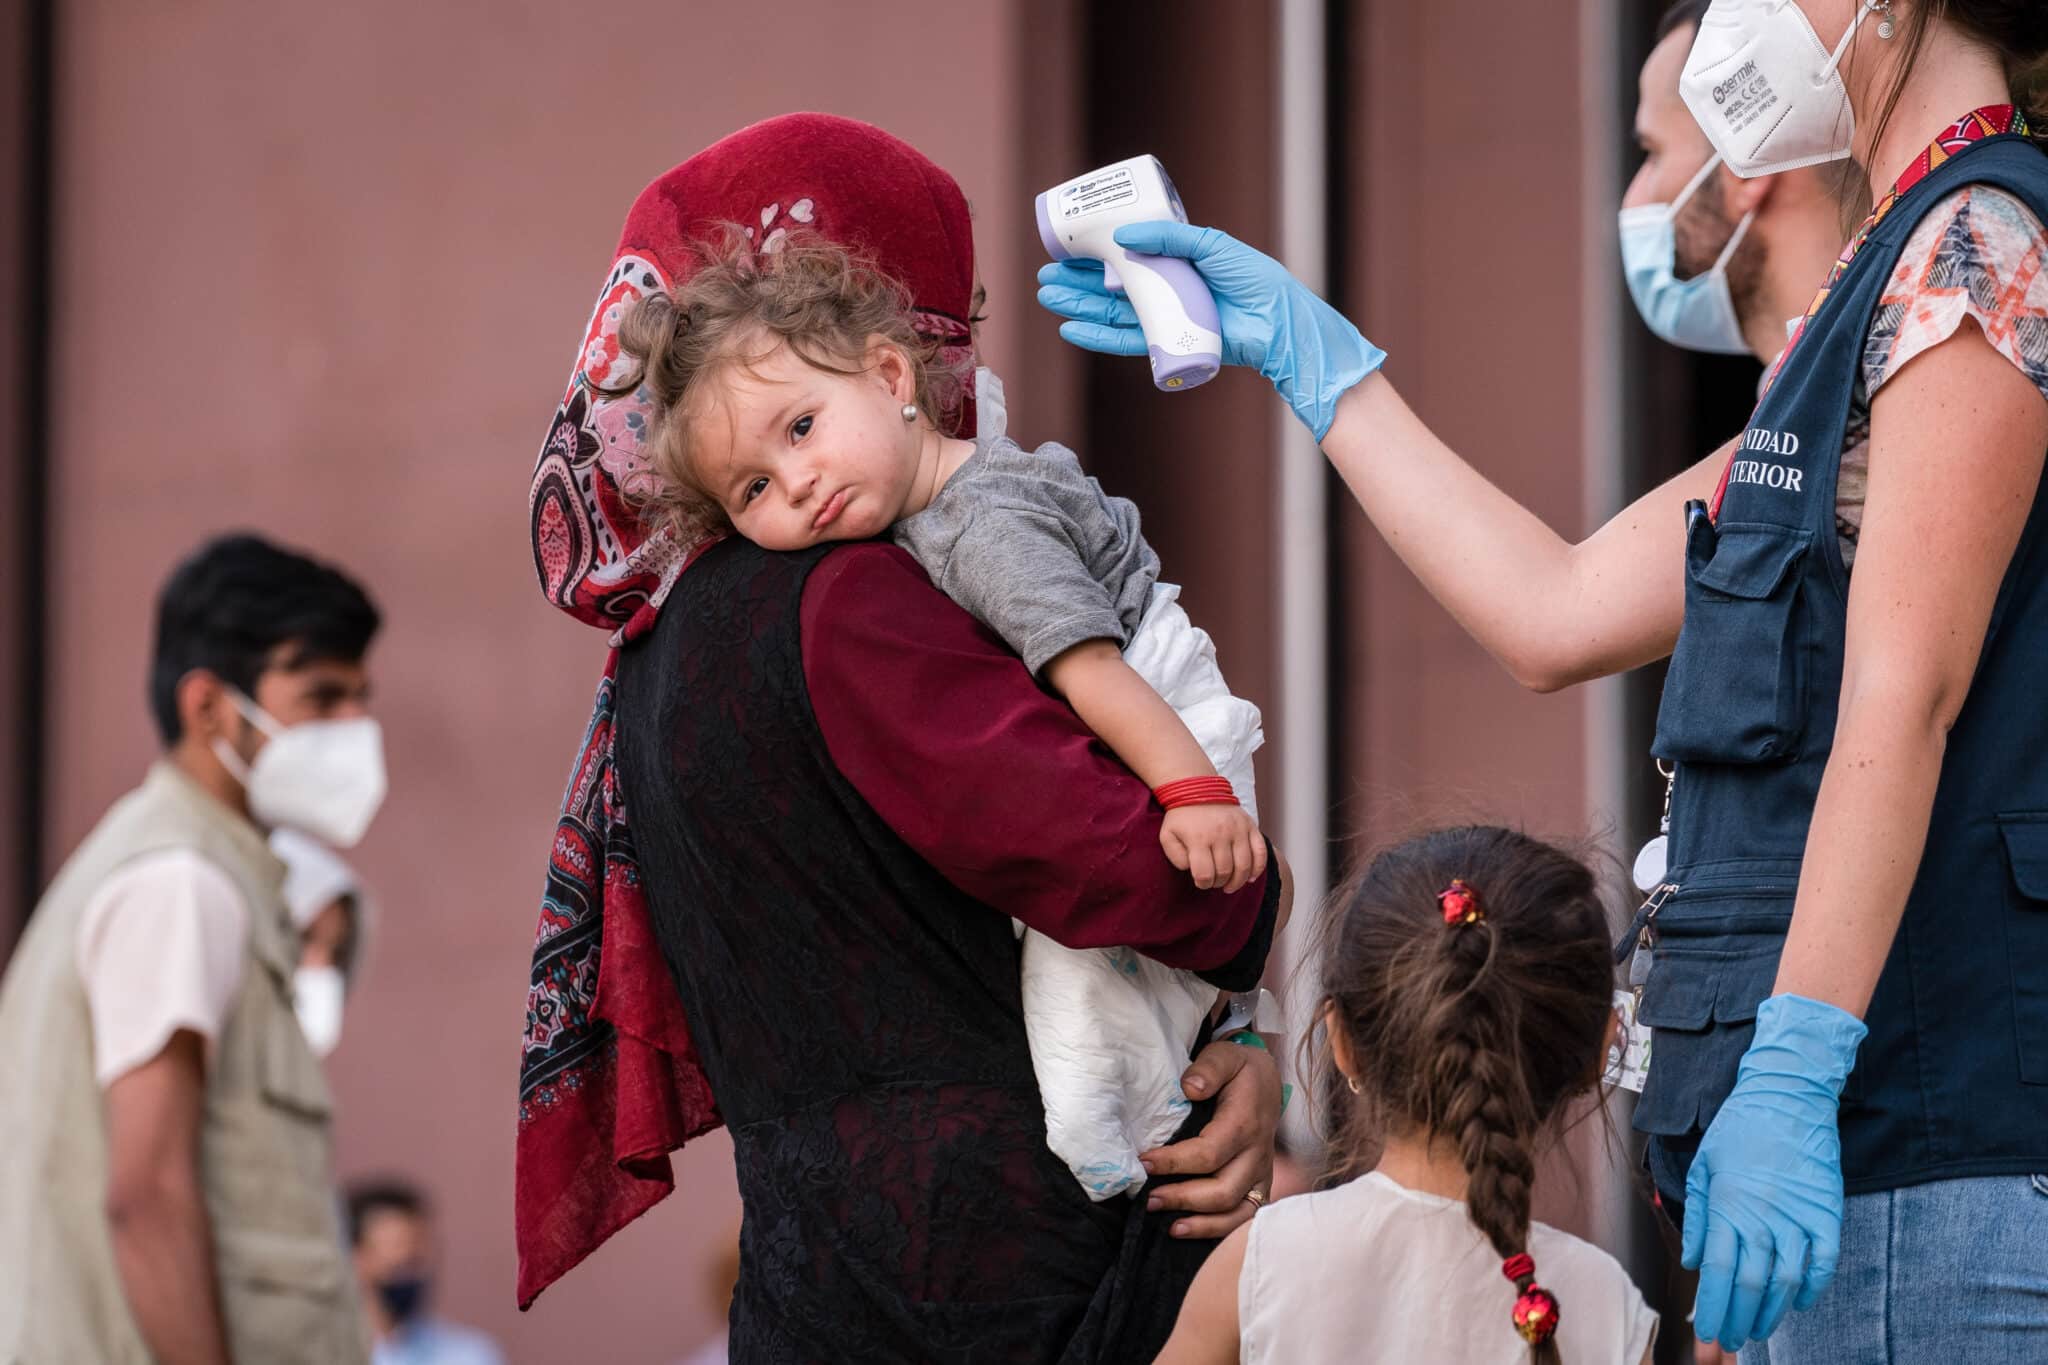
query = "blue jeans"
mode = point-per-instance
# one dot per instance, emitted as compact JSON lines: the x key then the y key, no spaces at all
{"x":1953,"y":1273}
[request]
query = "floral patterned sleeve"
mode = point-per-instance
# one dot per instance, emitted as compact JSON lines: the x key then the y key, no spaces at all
{"x":1981,"y":254}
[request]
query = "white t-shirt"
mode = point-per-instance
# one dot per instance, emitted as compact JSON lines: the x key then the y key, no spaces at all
{"x":1372,"y":1271}
{"x":160,"y":948}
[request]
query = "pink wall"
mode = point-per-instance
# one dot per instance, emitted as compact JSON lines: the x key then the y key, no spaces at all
{"x":323,"y":272}
{"x":1465,"y":209}
{"x":1463,"y":198}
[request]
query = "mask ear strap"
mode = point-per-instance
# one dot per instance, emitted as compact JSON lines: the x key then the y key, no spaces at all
{"x":1692,"y":186}
{"x":253,"y":713}
{"x":1735,"y":241}
{"x":1863,"y":11}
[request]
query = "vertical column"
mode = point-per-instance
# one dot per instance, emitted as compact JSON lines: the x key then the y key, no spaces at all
{"x":26,"y":37}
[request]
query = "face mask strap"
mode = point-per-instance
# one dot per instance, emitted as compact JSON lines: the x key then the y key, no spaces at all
{"x":1692,"y":186}
{"x":1864,"y":9}
{"x":1734,"y":242}
{"x":253,"y":713}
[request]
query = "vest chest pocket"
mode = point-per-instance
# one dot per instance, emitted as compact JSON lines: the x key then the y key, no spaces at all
{"x":1736,"y":689}
{"x":2026,"y":938}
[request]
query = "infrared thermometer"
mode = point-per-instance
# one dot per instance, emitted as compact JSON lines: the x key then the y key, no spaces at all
{"x":1175,"y":309}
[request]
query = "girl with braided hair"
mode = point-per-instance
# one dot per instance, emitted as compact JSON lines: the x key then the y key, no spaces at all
{"x":1466,"y":985}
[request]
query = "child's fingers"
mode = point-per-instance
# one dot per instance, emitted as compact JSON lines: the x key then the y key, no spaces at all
{"x":1241,"y":859}
{"x":1226,"y":863}
{"x":1176,"y":849}
{"x":1202,"y":865}
{"x":1258,"y":854}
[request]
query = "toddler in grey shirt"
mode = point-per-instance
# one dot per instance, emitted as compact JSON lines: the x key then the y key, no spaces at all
{"x":794,"y":404}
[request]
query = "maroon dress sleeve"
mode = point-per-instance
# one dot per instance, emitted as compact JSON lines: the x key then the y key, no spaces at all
{"x":1000,"y":786}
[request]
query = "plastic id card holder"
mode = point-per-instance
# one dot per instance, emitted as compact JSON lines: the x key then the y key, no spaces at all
{"x":1628,"y":1056}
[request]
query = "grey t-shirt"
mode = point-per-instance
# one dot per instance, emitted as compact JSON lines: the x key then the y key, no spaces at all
{"x":1036,"y":550}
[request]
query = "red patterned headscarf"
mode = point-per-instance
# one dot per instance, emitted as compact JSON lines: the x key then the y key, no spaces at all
{"x":609,"y":1082}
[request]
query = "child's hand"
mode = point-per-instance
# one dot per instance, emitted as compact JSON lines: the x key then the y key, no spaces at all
{"x":1219,"y":845}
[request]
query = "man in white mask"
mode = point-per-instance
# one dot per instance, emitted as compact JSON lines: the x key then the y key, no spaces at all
{"x":168,"y":1189}
{"x":1714,"y":262}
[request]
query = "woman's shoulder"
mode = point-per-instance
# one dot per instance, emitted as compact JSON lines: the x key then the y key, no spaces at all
{"x":1981,"y":254}
{"x":864,"y":574}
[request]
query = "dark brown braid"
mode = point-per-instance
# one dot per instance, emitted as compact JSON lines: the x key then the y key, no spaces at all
{"x":1479,"y":1033}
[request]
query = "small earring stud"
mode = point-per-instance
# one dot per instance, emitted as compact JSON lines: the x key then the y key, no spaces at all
{"x":910,"y":412}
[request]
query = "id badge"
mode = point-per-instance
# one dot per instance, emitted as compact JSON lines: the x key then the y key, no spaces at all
{"x":1628,"y":1055}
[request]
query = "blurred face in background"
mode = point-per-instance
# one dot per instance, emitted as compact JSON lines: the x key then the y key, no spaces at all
{"x":395,"y":1262}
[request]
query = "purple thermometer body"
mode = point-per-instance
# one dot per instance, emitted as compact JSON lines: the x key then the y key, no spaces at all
{"x":1175,"y":309}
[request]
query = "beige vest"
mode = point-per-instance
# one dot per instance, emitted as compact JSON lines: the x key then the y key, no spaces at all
{"x":286,"y":1289}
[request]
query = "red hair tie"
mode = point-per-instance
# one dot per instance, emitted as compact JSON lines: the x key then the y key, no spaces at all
{"x":1461,"y":906}
{"x":1536,"y":1309}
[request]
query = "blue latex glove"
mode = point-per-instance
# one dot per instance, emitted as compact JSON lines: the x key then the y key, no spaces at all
{"x":1763,"y":1200}
{"x":1271,"y":322}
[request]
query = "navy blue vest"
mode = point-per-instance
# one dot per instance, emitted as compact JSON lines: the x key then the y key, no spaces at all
{"x":1953,"y":1078}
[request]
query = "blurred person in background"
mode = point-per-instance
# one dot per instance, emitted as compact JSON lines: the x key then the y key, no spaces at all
{"x":332,"y":911}
{"x":1714,"y":262}
{"x":391,"y":1230}
{"x":167,"y":1194}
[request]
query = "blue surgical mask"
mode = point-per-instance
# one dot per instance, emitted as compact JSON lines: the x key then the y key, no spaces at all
{"x":1697,"y":314}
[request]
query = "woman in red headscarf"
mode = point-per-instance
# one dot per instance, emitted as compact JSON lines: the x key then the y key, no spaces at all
{"x":841,"y":790}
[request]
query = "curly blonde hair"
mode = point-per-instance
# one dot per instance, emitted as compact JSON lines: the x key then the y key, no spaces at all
{"x":827,"y":304}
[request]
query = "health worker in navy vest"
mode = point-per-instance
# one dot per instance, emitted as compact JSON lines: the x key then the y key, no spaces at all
{"x":1846,"y":957}
{"x":841,"y":789}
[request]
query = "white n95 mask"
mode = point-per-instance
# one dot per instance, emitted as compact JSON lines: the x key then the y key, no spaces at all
{"x":322,"y":777}
{"x":1766,"y":92}
{"x":1697,"y":314}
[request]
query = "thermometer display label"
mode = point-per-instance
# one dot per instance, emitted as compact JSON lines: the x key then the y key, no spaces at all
{"x":1112,"y":189}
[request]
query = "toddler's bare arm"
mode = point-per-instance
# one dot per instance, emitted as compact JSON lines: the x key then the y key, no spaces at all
{"x":1218,"y":844}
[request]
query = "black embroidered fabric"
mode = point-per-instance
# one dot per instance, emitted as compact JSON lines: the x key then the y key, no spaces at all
{"x":860,"y":1022}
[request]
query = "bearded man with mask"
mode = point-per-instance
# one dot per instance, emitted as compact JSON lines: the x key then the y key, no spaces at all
{"x":167,"y":1193}
{"x":1714,"y":262}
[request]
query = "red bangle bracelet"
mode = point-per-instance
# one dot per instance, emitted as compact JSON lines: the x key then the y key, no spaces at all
{"x":1195,"y":791}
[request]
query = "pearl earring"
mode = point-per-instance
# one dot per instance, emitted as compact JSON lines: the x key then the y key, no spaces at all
{"x":1352,"y":1081}
{"x":910,"y":412}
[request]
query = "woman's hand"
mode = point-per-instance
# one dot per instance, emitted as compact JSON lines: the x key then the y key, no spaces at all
{"x":1233,"y":1154}
{"x":1763,"y":1198}
{"x":1271,"y":322}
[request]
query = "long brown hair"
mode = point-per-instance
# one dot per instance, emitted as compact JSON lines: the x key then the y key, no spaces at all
{"x":1473,"y":1033}
{"x":2017,"y":30}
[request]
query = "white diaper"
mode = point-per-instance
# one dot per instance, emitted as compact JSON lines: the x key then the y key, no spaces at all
{"x":1110,"y":1030}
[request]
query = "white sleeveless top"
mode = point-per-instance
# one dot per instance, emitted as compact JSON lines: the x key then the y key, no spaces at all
{"x":1373,"y":1271}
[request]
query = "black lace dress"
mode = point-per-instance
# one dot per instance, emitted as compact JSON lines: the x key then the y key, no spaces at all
{"x":856,"y":1010}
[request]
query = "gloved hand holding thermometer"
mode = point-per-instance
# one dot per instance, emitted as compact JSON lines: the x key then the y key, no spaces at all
{"x":1168,"y":300}
{"x":1269,"y":320}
